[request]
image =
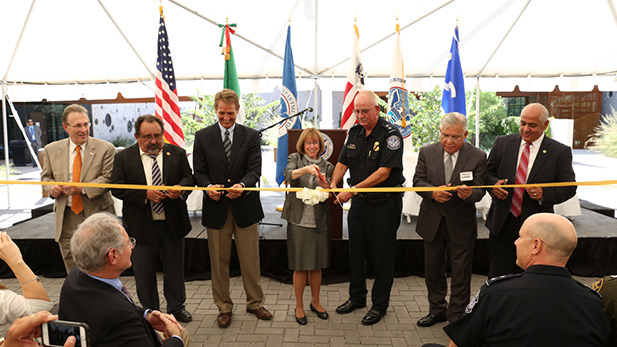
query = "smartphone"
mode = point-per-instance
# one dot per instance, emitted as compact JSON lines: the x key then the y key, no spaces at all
{"x":56,"y":332}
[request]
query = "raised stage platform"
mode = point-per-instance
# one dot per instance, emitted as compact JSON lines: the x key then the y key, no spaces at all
{"x":595,"y":255}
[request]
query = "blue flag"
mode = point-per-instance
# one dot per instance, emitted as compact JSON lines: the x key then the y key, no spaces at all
{"x":289,"y":107}
{"x":453,"y":99}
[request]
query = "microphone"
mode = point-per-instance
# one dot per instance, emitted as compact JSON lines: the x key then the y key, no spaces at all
{"x":309,"y":109}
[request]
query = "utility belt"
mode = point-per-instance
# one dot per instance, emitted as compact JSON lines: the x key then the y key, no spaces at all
{"x":378,"y":198}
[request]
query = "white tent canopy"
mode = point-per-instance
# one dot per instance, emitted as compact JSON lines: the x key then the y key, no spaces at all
{"x":94,"y":49}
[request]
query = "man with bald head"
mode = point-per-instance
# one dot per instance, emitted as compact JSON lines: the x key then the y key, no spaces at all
{"x":544,"y":305}
{"x":527,"y":157}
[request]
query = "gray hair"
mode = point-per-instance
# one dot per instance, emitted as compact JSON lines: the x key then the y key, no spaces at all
{"x":454,"y":118}
{"x":93,"y":239}
{"x":371,"y":94}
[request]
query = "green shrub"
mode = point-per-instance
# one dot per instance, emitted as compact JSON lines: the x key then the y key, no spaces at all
{"x":604,"y":139}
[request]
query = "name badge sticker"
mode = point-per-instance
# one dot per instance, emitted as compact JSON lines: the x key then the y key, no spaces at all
{"x":466,"y":176}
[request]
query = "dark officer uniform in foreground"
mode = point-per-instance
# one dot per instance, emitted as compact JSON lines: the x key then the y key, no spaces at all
{"x":374,"y":218}
{"x":607,"y":287}
{"x":525,"y":309}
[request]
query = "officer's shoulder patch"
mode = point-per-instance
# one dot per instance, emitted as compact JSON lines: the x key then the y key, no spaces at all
{"x":591,"y":289}
{"x":494,"y":280}
{"x":393,"y":142}
{"x":597,"y":286}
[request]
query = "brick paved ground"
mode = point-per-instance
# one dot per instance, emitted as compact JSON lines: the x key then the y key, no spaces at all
{"x":397,"y":328}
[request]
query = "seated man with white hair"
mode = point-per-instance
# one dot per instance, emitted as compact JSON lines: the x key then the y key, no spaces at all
{"x":93,"y":293}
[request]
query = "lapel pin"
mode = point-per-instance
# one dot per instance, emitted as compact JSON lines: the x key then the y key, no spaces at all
{"x":544,"y":151}
{"x":168,"y":154}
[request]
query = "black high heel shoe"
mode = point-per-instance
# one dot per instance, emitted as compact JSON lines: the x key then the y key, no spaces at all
{"x":300,"y":320}
{"x":322,"y":315}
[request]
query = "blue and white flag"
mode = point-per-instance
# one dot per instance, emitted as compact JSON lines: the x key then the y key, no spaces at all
{"x":398,"y":102}
{"x":289,"y":107}
{"x":453,"y":99}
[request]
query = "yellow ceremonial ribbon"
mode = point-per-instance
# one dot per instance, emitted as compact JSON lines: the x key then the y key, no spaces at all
{"x":334,"y":190}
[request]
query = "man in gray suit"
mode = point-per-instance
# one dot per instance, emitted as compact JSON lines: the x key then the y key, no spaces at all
{"x":447,"y":218}
{"x":34,"y":135}
{"x":80,"y":158}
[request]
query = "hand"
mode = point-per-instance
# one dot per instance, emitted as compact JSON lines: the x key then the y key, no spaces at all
{"x":235,"y":191}
{"x":9,"y":252}
{"x":343,"y":197}
{"x":499,"y":192}
{"x":23,"y":331}
{"x":464,"y":191}
{"x":155,"y":195}
{"x":174,"y":193}
{"x":71,"y":190}
{"x":535,"y":193}
{"x":442,"y":196}
{"x":215,"y":194}
{"x":56,"y":191}
{"x":165,"y":323}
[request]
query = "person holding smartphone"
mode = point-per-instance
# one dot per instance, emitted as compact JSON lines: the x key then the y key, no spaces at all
{"x":308,"y":226}
{"x":24,"y":331}
{"x":34,"y":298}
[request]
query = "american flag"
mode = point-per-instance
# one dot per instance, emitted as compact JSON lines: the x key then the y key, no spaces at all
{"x":355,"y":83}
{"x":166,"y":93}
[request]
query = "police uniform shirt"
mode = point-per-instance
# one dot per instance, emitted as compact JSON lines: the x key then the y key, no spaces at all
{"x":365,"y":154}
{"x":607,"y":287}
{"x":544,"y":306}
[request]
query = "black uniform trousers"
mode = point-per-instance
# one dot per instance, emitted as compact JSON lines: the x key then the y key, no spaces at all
{"x":145,"y":261}
{"x":372,"y":231}
{"x":503,"y":250}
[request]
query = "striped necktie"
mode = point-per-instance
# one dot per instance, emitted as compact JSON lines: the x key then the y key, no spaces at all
{"x":227,"y":145}
{"x":521,"y":178}
{"x":156,"y":181}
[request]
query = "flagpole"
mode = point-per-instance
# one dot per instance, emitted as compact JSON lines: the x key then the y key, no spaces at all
{"x":478,"y":111}
{"x":316,"y":95}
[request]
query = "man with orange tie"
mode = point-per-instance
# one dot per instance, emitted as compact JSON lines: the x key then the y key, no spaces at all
{"x":528,"y":157}
{"x":80,"y":158}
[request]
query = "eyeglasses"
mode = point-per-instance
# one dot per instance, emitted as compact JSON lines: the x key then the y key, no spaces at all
{"x":149,"y":137}
{"x":308,"y":143}
{"x":364,"y":111}
{"x":85,"y":125}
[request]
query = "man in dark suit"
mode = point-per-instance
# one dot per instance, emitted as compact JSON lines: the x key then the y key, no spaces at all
{"x":228,"y":155}
{"x":158,"y":219}
{"x":94,"y":294}
{"x":34,"y":135}
{"x":528,"y":157}
{"x":447,"y":219}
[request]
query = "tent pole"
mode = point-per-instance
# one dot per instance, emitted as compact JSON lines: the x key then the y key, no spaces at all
{"x":21,"y":34}
{"x":390,"y":35}
{"x":478,"y":111}
{"x":127,"y":40}
{"x":271,"y":52}
{"x":6,"y":145}
{"x":17,"y":120}
{"x":316,"y":95}
{"x":611,"y":5}
{"x":502,"y":40}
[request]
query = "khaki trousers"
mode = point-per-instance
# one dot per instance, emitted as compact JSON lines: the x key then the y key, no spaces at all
{"x":70,"y":222}
{"x":247,"y":244}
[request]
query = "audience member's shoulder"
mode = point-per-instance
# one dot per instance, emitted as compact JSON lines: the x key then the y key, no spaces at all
{"x":502,"y":281}
{"x":101,"y":142}
{"x":592,"y":290}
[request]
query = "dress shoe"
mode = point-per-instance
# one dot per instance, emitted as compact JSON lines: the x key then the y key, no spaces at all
{"x":373,"y":316}
{"x":349,"y":306}
{"x":261,"y":313}
{"x":224,"y":319}
{"x":182,"y":315}
{"x":300,"y":320}
{"x":322,"y":315}
{"x":431,"y":319}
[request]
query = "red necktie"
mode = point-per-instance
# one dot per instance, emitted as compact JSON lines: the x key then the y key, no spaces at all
{"x":521,"y":178}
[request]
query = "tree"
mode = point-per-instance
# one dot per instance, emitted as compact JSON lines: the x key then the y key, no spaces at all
{"x":494,"y":120}
{"x":426,"y":116}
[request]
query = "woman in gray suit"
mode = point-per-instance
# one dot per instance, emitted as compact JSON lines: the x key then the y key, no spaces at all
{"x":308,"y":226}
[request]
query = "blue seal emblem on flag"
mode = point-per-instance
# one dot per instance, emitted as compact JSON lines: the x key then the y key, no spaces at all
{"x":328,"y":147}
{"x":289,"y":107}
{"x":399,"y":111}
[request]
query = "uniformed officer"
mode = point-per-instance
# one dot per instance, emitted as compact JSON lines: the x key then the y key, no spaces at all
{"x":543,"y":306}
{"x":607,"y":287}
{"x":373,"y":154}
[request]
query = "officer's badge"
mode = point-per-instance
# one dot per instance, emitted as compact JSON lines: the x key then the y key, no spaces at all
{"x":393,"y":142}
{"x":376,"y":146}
{"x":472,"y":303}
{"x":351,"y":146}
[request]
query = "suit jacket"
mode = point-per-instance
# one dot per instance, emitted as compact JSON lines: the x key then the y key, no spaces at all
{"x":294,"y":207}
{"x":96,"y":168}
{"x":136,"y":208}
{"x":211,"y":167}
{"x":112,"y":318}
{"x":552,"y":164}
{"x":37,"y":134}
{"x":460,"y":214}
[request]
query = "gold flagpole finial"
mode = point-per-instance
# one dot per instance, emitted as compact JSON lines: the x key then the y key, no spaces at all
{"x":226,"y":20}
{"x":161,"y":10}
